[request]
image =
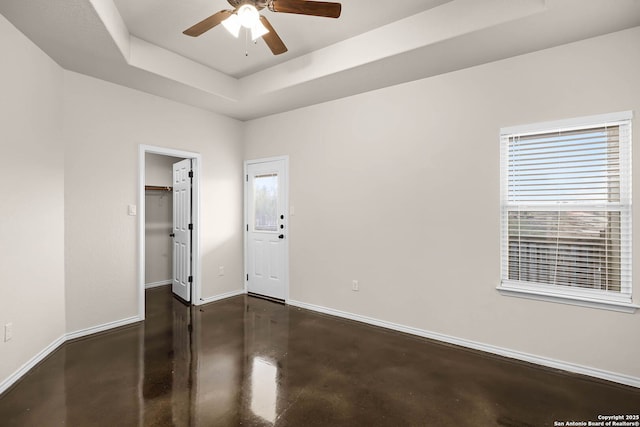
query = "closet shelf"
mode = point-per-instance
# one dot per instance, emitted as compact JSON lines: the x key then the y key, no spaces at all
{"x":157,"y":188}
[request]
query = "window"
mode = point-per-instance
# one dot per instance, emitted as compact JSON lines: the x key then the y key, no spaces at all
{"x":265,"y":195}
{"x":566,"y":211}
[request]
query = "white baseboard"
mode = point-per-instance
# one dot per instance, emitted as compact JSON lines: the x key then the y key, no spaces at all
{"x":101,"y":328}
{"x":8,"y":382}
{"x":157,"y":284}
{"x":512,"y":354}
{"x":552,"y":363}
{"x":221,"y":296}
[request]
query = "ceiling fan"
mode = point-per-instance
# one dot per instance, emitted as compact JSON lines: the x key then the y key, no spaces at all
{"x":246,"y":13}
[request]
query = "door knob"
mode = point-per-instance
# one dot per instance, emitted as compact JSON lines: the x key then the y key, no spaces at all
{"x":172,"y":235}
{"x":281,"y":236}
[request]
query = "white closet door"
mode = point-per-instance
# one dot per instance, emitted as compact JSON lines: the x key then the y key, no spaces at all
{"x":182,"y":226}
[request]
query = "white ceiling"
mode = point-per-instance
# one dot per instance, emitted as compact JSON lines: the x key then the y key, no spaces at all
{"x":139,"y":44}
{"x":161,"y":22}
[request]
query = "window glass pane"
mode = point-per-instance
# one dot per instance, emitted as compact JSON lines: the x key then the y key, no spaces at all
{"x":575,"y":166}
{"x":565,"y":248}
{"x":265,"y":202}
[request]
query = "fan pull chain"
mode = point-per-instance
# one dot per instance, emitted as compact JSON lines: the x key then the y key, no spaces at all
{"x":246,"y":42}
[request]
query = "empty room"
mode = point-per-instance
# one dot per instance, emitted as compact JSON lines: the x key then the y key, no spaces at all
{"x":310,"y":213}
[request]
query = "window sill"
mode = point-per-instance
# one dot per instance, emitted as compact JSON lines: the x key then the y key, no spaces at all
{"x":542,"y":295}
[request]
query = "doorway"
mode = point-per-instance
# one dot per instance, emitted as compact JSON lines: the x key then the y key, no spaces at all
{"x":193,"y":295}
{"x":159,"y":215}
{"x":267,"y":227}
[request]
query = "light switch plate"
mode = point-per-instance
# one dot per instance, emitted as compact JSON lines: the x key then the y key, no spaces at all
{"x":8,"y":332}
{"x":133,"y":210}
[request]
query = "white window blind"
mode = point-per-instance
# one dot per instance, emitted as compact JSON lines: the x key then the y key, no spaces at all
{"x":566,"y":208}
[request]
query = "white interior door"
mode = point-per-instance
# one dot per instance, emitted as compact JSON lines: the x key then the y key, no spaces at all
{"x":182,"y":226}
{"x":266,"y":212}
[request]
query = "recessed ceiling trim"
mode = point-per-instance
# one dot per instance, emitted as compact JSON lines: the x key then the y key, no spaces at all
{"x":90,"y":37}
{"x":113,"y":22}
{"x":160,"y":61}
{"x":155,"y":59}
{"x":453,"y":19}
{"x":450,"y":19}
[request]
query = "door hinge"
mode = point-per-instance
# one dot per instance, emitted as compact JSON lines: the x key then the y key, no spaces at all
{"x":190,"y":174}
{"x":190,"y":279}
{"x":190,"y":226}
{"x":247,"y":277}
{"x":247,"y":178}
{"x":247,"y":227}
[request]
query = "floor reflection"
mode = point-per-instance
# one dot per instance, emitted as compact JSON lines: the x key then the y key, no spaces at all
{"x":264,"y":389}
{"x":266,"y":327}
{"x":226,"y":362}
{"x":250,"y":362}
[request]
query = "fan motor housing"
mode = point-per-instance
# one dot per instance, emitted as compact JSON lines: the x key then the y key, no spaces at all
{"x":259,"y":4}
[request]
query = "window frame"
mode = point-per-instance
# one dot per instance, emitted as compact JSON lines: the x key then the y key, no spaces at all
{"x":617,"y":301}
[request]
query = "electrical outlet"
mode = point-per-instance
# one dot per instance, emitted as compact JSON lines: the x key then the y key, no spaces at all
{"x":8,"y":332}
{"x":355,"y":286}
{"x":221,"y":271}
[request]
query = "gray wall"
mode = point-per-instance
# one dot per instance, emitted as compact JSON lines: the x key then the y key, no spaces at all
{"x":104,"y":125}
{"x":71,"y":148}
{"x":400,"y":189}
{"x":32,"y":214}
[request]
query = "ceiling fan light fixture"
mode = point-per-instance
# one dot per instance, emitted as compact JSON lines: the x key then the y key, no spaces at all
{"x":232,"y":24}
{"x":248,"y":15}
{"x":258,"y":30}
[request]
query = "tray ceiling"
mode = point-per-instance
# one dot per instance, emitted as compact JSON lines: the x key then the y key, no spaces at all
{"x":139,"y":44}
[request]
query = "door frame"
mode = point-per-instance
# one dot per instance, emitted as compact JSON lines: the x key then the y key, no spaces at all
{"x":286,"y":214}
{"x":196,"y":270}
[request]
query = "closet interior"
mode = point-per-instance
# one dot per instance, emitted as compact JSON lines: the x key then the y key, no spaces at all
{"x":158,"y":219}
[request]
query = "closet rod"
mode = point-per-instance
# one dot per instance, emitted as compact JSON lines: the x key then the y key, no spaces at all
{"x":157,"y":188}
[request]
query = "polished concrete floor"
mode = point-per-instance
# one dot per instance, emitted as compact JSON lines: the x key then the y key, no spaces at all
{"x":246,"y":361}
